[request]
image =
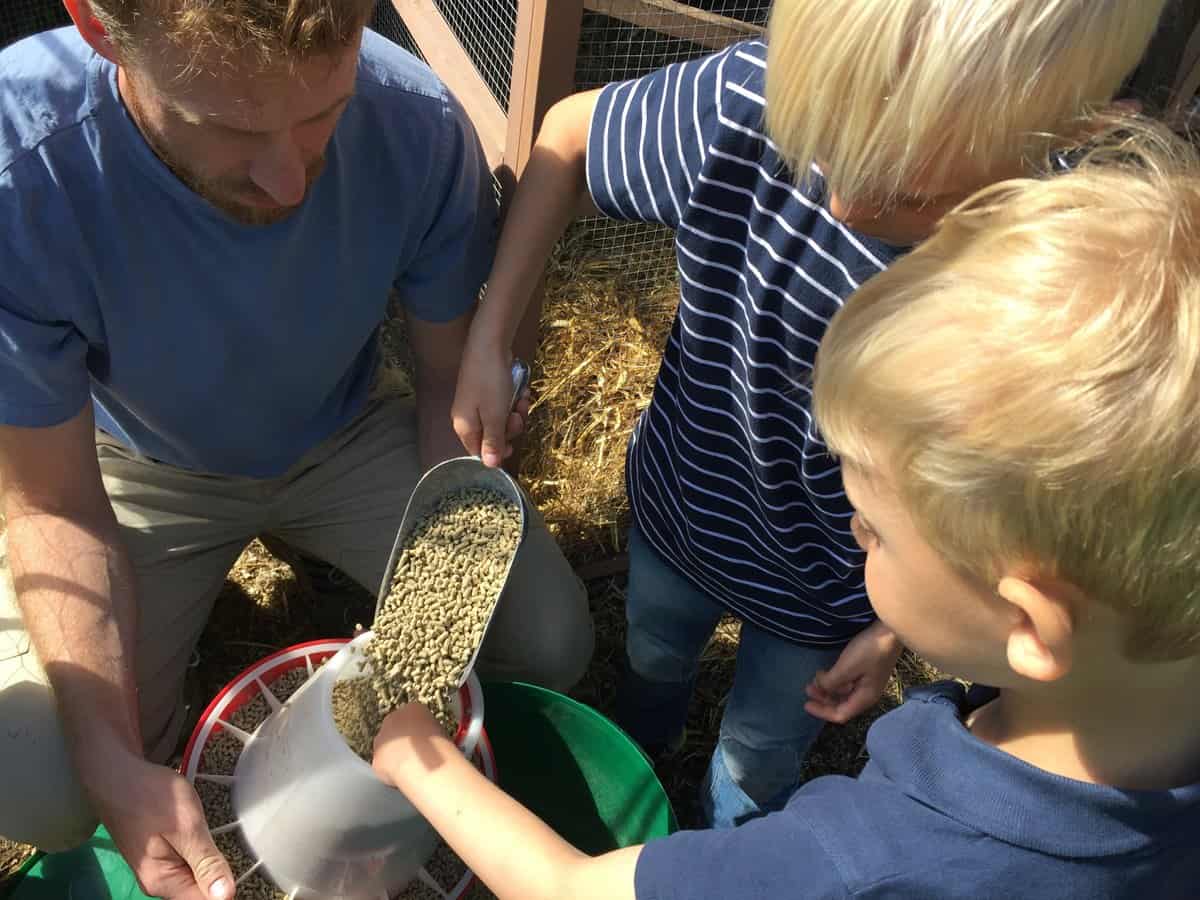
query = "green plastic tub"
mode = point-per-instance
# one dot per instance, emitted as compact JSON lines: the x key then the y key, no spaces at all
{"x":573,"y":767}
{"x":562,"y":759}
{"x":94,"y":871}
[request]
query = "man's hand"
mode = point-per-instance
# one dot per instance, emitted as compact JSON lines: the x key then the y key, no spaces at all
{"x":481,"y":414}
{"x":858,"y":678}
{"x":157,"y":822}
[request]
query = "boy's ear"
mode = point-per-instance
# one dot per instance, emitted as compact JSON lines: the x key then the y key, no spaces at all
{"x":90,"y":28}
{"x":1041,"y":638}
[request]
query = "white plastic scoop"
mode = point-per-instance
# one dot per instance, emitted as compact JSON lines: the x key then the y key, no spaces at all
{"x":447,"y":478}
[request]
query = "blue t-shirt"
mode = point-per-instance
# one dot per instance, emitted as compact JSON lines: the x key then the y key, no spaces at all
{"x":727,"y":479}
{"x":202,"y":342}
{"x":939,"y":815}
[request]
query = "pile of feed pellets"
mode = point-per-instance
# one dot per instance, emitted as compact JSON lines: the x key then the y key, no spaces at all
{"x":448,"y":577}
{"x":220,"y":757}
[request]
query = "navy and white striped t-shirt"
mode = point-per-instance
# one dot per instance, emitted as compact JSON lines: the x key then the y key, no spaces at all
{"x":726,"y":477}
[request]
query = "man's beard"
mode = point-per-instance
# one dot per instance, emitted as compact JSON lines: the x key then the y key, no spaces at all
{"x":221,"y":193}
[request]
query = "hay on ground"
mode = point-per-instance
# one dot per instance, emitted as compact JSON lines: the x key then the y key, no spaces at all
{"x":594,"y":375}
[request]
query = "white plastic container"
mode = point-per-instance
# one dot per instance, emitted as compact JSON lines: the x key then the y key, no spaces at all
{"x":315,"y":814}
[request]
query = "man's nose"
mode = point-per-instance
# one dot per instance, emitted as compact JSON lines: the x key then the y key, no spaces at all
{"x":279,"y":170}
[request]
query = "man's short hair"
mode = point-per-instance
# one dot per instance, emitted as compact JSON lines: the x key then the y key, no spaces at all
{"x":1028,"y":381}
{"x":890,"y":93}
{"x":267,"y":31}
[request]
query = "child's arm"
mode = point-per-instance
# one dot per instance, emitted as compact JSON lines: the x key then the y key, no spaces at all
{"x":508,"y":847}
{"x":552,"y":192}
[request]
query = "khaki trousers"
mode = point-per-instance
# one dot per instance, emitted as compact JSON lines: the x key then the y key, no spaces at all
{"x":342,"y":502}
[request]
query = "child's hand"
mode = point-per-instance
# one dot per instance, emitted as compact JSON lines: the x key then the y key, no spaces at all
{"x":481,"y":414}
{"x":858,"y":678}
{"x":402,"y":731}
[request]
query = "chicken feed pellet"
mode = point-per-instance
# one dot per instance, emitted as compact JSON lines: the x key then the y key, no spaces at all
{"x":356,"y":714}
{"x":217,"y":800}
{"x":220,"y":754}
{"x":448,"y":578}
{"x":250,"y":715}
{"x":231,"y":847}
{"x":288,"y":683}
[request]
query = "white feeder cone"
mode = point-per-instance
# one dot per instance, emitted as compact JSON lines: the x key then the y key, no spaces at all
{"x":315,"y":814}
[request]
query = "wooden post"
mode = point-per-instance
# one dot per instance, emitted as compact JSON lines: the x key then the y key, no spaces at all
{"x":544,"y":53}
{"x":678,"y":20}
{"x":452,"y":63}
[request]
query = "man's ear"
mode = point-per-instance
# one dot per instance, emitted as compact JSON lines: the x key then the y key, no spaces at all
{"x":89,"y":26}
{"x":1041,"y":638}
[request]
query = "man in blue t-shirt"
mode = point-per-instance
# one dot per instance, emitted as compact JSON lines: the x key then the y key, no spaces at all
{"x":203,"y":209}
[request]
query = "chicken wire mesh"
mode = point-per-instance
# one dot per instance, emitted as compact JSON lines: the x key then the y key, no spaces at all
{"x":491,"y":52}
{"x":487,"y":30}
{"x":622,"y":40}
{"x":388,"y":23}
{"x":19,"y":18}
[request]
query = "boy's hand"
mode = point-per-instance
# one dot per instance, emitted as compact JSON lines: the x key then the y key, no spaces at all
{"x":858,"y":678}
{"x":410,"y":725}
{"x":481,"y":414}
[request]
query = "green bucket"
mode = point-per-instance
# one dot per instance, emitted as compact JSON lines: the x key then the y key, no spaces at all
{"x":577,"y":770}
{"x":93,"y":871}
{"x":565,"y":761}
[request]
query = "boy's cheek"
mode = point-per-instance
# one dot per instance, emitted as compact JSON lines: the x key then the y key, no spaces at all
{"x":899,"y":228}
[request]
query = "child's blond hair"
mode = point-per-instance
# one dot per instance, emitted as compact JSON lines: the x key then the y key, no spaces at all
{"x":897,"y":97}
{"x":1028,"y":382}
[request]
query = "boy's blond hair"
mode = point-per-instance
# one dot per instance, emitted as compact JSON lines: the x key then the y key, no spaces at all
{"x":265,"y":31}
{"x":1028,"y":383}
{"x":912,"y":96}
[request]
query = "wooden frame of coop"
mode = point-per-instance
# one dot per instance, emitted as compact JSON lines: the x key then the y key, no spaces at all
{"x":544,"y":56}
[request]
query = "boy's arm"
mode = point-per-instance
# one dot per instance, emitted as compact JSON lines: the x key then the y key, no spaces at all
{"x":515,"y":854}
{"x":552,"y":192}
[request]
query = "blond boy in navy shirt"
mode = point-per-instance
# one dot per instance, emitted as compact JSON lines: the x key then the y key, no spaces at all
{"x":1016,"y":406}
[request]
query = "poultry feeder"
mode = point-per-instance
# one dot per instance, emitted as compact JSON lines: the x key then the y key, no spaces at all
{"x":313,"y":816}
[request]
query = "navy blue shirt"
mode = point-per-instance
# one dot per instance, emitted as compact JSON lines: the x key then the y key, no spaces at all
{"x":727,"y":479}
{"x":203,"y":342}
{"x":940,"y":815}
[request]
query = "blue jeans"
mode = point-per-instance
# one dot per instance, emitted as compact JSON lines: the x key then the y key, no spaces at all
{"x":765,"y":732}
